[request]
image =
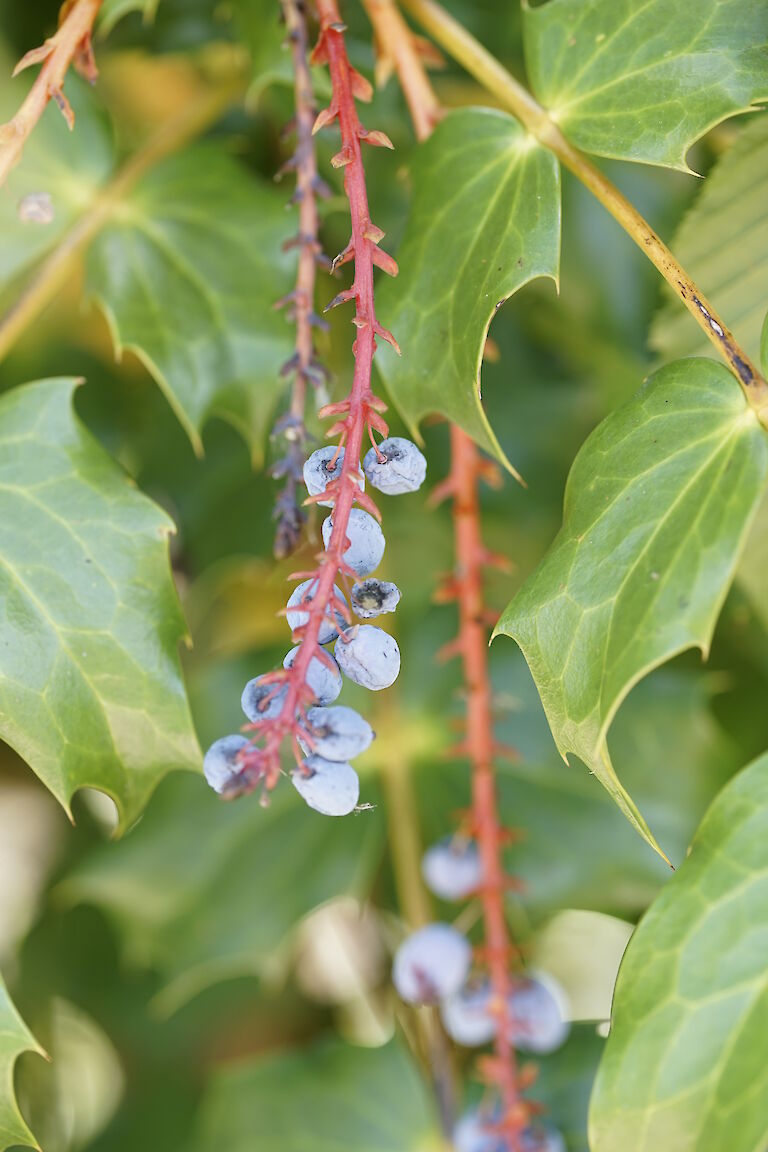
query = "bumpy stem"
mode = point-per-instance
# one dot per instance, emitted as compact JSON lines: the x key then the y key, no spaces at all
{"x":460,"y":44}
{"x":303,"y":365}
{"x":466,"y":587}
{"x":70,"y":45}
{"x":360,"y":412}
{"x":498,"y":952}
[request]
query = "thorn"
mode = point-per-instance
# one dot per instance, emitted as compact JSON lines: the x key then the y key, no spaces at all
{"x":341,"y":298}
{"x":325,"y":117}
{"x":373,"y":233}
{"x":450,"y":650}
{"x":361,"y":88}
{"x":376,"y":138}
{"x":387,"y":335}
{"x":35,"y":56}
{"x":342,"y":158}
{"x":366,"y":502}
{"x":84,"y":62}
{"x":445,"y":490}
{"x":343,"y":257}
{"x":386,"y":262}
{"x":64,"y":106}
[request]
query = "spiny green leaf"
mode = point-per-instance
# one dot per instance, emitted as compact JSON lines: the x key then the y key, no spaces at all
{"x":657,"y":507}
{"x":114,"y":10}
{"x":484,"y":220}
{"x":15,"y":1038}
{"x":201,"y":916}
{"x":643,"y":81}
{"x":91,"y":692}
{"x":684,"y":1066}
{"x":187,"y":264}
{"x":723,"y":243}
{"x":333,"y":1097}
{"x":188,"y":270}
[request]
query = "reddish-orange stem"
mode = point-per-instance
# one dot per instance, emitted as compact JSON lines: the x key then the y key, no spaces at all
{"x":71,"y":43}
{"x":466,"y":587}
{"x":361,"y":408}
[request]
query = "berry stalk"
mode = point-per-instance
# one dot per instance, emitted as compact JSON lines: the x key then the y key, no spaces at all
{"x":466,"y":586}
{"x":303,"y":365}
{"x":71,"y":44}
{"x":358,"y":413}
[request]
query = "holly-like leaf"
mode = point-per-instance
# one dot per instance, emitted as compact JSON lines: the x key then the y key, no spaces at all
{"x":657,"y":507}
{"x":91,"y":692}
{"x":723,"y":243}
{"x":187,"y":263}
{"x":351,"y":1100}
{"x":643,"y":81}
{"x":684,"y":1066}
{"x":114,"y":10}
{"x":181,"y":910}
{"x":484,"y":220}
{"x":15,"y":1038}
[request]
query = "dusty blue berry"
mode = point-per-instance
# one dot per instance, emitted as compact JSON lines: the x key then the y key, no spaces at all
{"x":452,"y":869}
{"x":539,"y":1013}
{"x":330,"y":787}
{"x":373,"y":597}
{"x":431,"y":964}
{"x":323,"y":678}
{"x":262,"y":699}
{"x":318,"y":474}
{"x":395,"y":466}
{"x":339,"y":733}
{"x":366,"y":541}
{"x":466,"y":1017}
{"x":306,"y":591}
{"x":368,"y":656}
{"x":220,"y":764}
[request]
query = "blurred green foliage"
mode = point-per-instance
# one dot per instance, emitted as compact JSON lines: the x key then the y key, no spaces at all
{"x":175,"y":962}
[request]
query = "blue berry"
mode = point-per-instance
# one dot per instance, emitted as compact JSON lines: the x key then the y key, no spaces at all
{"x":306,"y":591}
{"x":369,"y":657}
{"x":324,"y":681}
{"x":465,"y":1015}
{"x":539,"y":1012}
{"x":366,"y":541}
{"x":452,"y":868}
{"x":329,"y":787}
{"x":373,"y":597}
{"x":431,"y":964}
{"x":339,"y":733}
{"x":542,"y":1138}
{"x":317,"y":474}
{"x":220,"y":764}
{"x":473,"y":1133}
{"x":262,"y":699}
{"x":395,"y":467}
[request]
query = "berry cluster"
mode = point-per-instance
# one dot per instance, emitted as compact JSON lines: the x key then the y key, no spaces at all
{"x":299,"y":699}
{"x":434,"y":965}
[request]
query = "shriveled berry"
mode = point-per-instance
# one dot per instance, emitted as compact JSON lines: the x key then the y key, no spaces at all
{"x":431,"y":964}
{"x":262,"y":699}
{"x":539,"y":1013}
{"x":466,"y":1017}
{"x":330,"y":787}
{"x":452,"y":868}
{"x":366,"y":541}
{"x":339,"y":733}
{"x":395,"y":466}
{"x":324,"y":680}
{"x":318,"y":474}
{"x":305,"y":592}
{"x":368,"y":656}
{"x":220,"y":765}
{"x":373,"y":597}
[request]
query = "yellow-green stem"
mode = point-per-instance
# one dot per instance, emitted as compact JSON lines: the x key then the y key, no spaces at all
{"x":55,"y":270}
{"x":486,"y":69}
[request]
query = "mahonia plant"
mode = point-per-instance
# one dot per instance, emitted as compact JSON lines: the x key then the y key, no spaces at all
{"x":292,"y":703}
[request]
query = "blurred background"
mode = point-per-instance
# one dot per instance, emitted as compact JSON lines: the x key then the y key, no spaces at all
{"x":223,"y":970}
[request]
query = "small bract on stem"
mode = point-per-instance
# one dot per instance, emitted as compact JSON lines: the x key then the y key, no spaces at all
{"x":70,"y":45}
{"x":284,"y":704}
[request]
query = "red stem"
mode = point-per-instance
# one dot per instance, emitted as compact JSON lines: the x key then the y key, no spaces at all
{"x":395,"y":38}
{"x":361,"y":409}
